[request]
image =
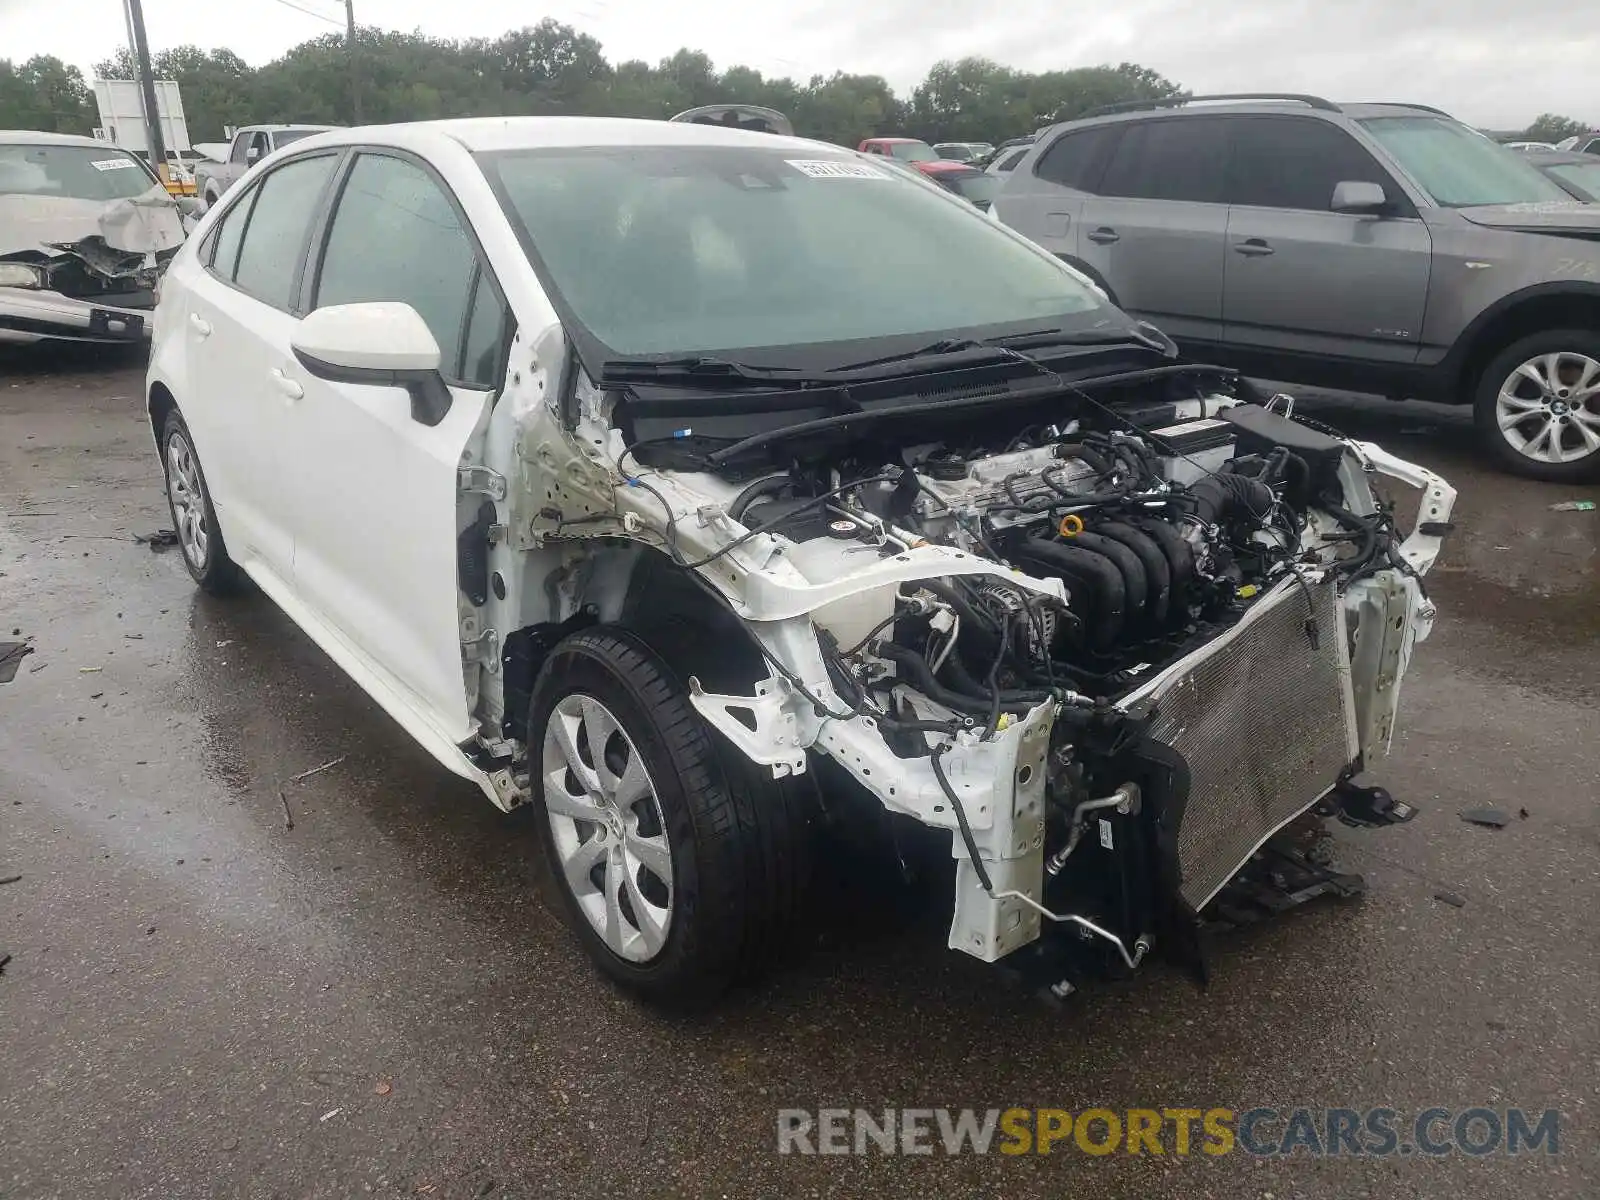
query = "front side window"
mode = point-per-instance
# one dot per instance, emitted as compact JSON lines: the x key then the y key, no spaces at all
{"x":280,"y":219}
{"x":241,"y":148}
{"x":913,"y":152}
{"x":396,"y":236}
{"x":1456,"y":167}
{"x":1183,"y":158}
{"x":72,"y":172}
{"x":1295,"y":162}
{"x":681,"y":250}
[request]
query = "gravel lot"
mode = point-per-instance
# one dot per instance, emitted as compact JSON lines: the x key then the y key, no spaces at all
{"x":382,"y":1000}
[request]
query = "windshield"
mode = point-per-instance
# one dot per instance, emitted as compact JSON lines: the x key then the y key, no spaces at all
{"x":1584,"y":177}
{"x":682,"y":250}
{"x":73,"y":172}
{"x":1459,"y":168}
{"x":913,"y":151}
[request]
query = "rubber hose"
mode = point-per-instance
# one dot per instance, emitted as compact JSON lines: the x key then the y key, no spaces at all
{"x":1098,"y":573}
{"x":1136,"y":587}
{"x":1218,"y":496}
{"x":1157,"y":574}
{"x":921,"y":677}
{"x":764,"y":486}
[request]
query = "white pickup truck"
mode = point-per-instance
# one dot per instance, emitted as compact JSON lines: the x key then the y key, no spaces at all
{"x":249,"y":146}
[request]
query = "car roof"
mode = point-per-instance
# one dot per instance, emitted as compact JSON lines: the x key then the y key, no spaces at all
{"x":947,"y":167}
{"x":277,"y":128}
{"x":489,"y":134}
{"x":35,"y":137}
{"x":899,"y":139}
{"x":1201,"y":108}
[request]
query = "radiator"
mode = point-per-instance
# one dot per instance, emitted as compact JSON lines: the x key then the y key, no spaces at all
{"x":1264,"y":718}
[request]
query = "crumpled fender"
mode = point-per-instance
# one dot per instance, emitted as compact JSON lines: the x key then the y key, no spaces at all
{"x":145,"y":224}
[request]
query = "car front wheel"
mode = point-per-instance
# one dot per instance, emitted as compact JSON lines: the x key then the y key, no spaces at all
{"x":676,"y":860}
{"x":1538,"y":406}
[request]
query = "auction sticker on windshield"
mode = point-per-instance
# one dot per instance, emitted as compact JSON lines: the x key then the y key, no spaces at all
{"x":824,"y":169}
{"x":111,"y":164}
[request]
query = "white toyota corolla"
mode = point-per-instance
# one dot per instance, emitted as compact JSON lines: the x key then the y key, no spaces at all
{"x":695,"y":484}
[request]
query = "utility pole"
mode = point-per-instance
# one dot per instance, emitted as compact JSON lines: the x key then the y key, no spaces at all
{"x":147,"y":88}
{"x":350,"y":46}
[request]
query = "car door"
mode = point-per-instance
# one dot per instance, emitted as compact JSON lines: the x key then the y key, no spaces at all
{"x":1045,"y":202}
{"x":1155,"y":224}
{"x":243,"y":309}
{"x":1302,"y":278}
{"x":374,"y":492}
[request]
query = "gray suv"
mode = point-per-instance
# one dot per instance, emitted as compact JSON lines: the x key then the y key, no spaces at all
{"x":1376,"y":247}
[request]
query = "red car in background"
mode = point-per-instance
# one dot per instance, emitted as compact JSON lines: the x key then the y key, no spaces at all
{"x":965,"y":180}
{"x":913,"y":151}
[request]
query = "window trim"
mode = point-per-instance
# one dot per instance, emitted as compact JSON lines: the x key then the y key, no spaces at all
{"x":254,"y":191}
{"x":310,"y":282}
{"x":1404,"y":209}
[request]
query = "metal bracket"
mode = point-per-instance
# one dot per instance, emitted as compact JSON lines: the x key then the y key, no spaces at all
{"x":774,"y":741}
{"x":482,"y":647}
{"x":481,"y":479}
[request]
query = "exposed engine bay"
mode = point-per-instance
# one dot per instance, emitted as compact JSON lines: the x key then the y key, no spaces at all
{"x":1112,"y":655}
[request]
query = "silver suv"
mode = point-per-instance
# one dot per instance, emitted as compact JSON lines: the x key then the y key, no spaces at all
{"x":1377,"y":247}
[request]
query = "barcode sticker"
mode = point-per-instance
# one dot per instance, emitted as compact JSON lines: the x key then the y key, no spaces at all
{"x":112,"y":164}
{"x":821,"y":168}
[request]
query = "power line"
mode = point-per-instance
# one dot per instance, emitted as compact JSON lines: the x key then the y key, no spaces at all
{"x":310,"y":12}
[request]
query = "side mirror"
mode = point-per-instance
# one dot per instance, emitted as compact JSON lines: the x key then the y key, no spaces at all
{"x":1361,"y":198}
{"x":252,"y":154}
{"x":379,"y":344}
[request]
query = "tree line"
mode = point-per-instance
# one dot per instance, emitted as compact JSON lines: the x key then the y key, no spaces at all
{"x":551,"y":68}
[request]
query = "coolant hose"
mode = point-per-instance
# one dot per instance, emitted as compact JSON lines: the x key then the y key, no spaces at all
{"x":765,"y":486}
{"x":916,"y":672}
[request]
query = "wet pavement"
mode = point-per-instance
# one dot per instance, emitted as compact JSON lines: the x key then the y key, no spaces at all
{"x":382,"y":1000}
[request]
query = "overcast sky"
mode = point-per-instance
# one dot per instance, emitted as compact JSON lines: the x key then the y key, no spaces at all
{"x":1490,"y":62}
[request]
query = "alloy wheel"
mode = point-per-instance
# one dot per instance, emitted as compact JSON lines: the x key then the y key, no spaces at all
{"x":188,"y":500}
{"x":605,"y":819}
{"x":1548,"y":409}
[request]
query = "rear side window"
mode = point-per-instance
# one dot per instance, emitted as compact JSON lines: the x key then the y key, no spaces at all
{"x":396,"y":236}
{"x":274,"y":240}
{"x":229,"y":234}
{"x":1075,"y":159}
{"x":1009,"y":160}
{"x":1291,"y":162}
{"x":1184,"y":158}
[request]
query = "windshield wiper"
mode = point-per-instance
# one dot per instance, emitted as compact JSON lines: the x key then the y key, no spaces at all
{"x":696,"y":369}
{"x":1033,"y":339}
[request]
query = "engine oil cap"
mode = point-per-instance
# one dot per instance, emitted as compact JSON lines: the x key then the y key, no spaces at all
{"x":843,"y":530}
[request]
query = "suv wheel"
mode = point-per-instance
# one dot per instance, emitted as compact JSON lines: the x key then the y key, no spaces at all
{"x":1538,"y":405}
{"x":679,"y":865}
{"x":193,"y":518}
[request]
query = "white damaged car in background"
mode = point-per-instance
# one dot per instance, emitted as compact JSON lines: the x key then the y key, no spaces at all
{"x":86,"y":230}
{"x":658,"y":476}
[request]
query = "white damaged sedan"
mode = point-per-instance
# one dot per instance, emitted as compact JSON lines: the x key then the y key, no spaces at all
{"x":688,"y":482}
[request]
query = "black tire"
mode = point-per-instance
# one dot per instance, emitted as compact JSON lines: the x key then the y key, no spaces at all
{"x":212,"y":569}
{"x":738,"y":842}
{"x":1515,"y":456}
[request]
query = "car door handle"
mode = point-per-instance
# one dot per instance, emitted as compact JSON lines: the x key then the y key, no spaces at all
{"x":200,"y":325}
{"x":287,"y":386}
{"x":1104,"y":235}
{"x":1252,"y":248}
